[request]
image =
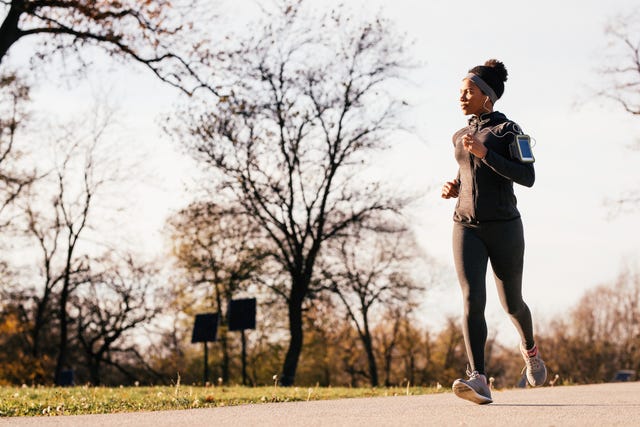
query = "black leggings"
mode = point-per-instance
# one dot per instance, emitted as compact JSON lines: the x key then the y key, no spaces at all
{"x":502,"y":243}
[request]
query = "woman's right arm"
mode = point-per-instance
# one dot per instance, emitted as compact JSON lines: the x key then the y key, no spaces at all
{"x":451,"y":188}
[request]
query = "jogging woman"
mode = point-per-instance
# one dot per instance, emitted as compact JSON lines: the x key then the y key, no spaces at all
{"x":487,"y":225}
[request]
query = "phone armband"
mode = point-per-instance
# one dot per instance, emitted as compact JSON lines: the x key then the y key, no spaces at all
{"x":520,"y":149}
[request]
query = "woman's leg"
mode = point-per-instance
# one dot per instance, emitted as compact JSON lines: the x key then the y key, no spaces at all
{"x":505,"y":243}
{"x":470,"y":258}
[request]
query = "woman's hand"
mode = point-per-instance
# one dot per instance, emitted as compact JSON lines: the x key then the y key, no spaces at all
{"x":473,"y":146}
{"x":450,"y":189}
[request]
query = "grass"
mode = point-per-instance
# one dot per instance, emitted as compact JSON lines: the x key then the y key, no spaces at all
{"x":48,"y":401}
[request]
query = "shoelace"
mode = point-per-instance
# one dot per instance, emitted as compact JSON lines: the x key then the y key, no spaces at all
{"x":533,"y":362}
{"x":472,"y":375}
{"x":478,"y":384}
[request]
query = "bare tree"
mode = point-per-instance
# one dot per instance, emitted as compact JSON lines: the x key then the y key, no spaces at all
{"x":217,"y":250}
{"x":624,"y":75}
{"x":15,"y":94}
{"x":623,"y":82}
{"x":287,"y":141}
{"x":57,"y":213}
{"x":59,"y":238}
{"x":107,"y":309}
{"x":388,"y":334}
{"x":607,"y":319}
{"x":413,"y":348}
{"x":153,"y":33}
{"x":72,"y":215}
{"x":600,"y":335}
{"x":448,"y":354}
{"x":370,"y":272}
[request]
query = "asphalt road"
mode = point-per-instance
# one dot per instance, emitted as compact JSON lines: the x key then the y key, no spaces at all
{"x":614,"y":404}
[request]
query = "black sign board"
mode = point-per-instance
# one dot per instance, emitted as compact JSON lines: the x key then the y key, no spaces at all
{"x":66,"y":378}
{"x":242,"y":314}
{"x":205,"y":328}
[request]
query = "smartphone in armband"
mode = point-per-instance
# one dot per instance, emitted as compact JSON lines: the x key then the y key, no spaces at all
{"x":521,"y":149}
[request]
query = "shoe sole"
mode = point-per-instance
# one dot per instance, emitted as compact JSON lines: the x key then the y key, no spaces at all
{"x":465,"y":392}
{"x":535,"y":383}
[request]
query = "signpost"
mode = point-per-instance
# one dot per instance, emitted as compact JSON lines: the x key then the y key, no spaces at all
{"x":205,"y":329}
{"x":242,"y":315}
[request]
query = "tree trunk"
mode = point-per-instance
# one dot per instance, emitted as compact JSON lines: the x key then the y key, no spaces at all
{"x":295,"y":344}
{"x":62,"y":363}
{"x":62,"y":348}
{"x":224,"y":341}
{"x":371,"y":358}
{"x":9,"y":30}
{"x":224,"y":344}
{"x":94,"y":371}
{"x":387,"y":367}
{"x":388,"y":355}
{"x":38,"y":324}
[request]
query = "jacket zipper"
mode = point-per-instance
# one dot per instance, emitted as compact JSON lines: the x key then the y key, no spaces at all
{"x":473,"y":180}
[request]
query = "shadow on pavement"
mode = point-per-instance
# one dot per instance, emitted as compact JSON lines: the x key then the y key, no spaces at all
{"x":586,"y":405}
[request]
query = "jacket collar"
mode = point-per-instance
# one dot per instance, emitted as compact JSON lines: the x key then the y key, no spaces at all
{"x":484,"y":119}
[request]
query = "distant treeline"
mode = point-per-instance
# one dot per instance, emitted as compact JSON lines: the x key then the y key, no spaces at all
{"x":599,"y":336}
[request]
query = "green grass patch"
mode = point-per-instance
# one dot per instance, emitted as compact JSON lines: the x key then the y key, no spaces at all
{"x":47,"y":401}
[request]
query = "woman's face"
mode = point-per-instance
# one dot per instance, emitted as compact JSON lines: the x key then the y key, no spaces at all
{"x":472,"y":100}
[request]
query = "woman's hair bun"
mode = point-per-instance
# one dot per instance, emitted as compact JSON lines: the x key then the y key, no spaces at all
{"x":494,"y":74}
{"x":498,"y":68}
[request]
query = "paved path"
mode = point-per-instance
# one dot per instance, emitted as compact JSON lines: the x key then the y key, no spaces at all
{"x":590,"y":405}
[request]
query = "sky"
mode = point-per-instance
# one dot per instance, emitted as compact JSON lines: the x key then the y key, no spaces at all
{"x":553,"y":51}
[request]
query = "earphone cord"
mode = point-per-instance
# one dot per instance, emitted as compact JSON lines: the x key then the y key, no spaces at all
{"x":512,"y":133}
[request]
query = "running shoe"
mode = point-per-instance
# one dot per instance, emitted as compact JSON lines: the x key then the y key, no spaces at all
{"x":534,"y":366}
{"x":475,"y":389}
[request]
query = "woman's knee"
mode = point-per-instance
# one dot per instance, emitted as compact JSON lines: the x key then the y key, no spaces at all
{"x":515,"y":308}
{"x":475,"y":304}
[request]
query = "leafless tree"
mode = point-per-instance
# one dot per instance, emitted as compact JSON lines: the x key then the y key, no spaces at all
{"x":57,"y":214}
{"x":13,"y":180}
{"x":388,"y":334}
{"x":624,"y":75}
{"x":218,"y":252}
{"x":608,"y":318}
{"x":113,"y":303}
{"x":311,"y":102}
{"x":600,"y":335}
{"x":156,"y":34}
{"x":369,"y":272}
{"x":59,"y":238}
{"x":622,"y":82}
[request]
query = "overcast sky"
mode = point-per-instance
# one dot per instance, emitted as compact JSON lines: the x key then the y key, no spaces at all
{"x":552,"y":51}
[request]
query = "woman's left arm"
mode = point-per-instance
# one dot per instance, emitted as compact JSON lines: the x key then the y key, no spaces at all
{"x":522,"y":173}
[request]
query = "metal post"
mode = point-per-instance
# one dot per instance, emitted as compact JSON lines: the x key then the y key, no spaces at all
{"x":206,"y":366}
{"x":244,"y":359}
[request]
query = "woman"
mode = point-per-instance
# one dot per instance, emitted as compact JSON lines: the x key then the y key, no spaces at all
{"x":487,"y":225}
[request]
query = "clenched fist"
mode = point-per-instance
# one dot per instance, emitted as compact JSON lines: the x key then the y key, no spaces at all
{"x":450,"y":189}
